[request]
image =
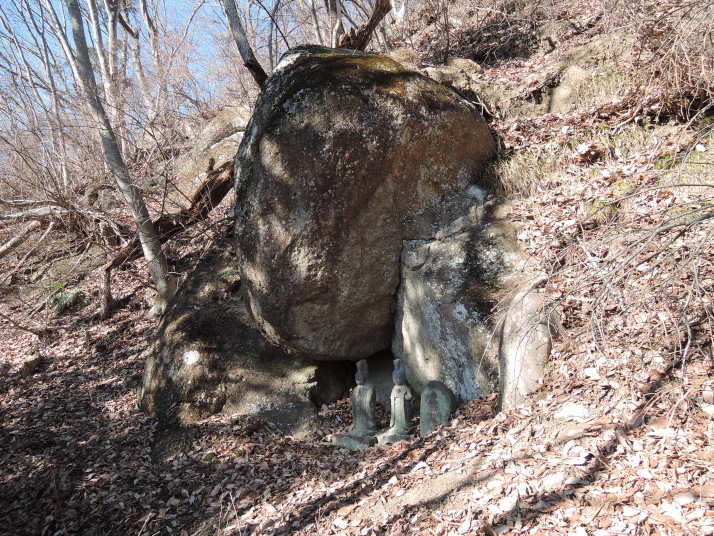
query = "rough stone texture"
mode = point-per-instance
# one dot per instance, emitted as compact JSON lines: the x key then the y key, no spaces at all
{"x":562,"y":97}
{"x":219,"y":141}
{"x":210,"y":357}
{"x":450,"y":286}
{"x":437,"y":403}
{"x":524,"y":349}
{"x":346,"y":156}
{"x":380,"y":376}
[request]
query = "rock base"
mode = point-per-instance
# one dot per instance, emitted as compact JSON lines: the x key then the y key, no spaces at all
{"x":388,"y":437}
{"x":353,"y":442}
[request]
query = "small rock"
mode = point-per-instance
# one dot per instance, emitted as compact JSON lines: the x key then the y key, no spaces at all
{"x":31,"y":366}
{"x":684,"y":497}
{"x":463,"y":64}
{"x":573,"y":412}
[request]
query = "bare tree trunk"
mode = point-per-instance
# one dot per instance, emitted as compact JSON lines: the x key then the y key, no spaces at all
{"x":334,"y":7}
{"x":359,"y":39}
{"x":402,"y":12}
{"x":316,"y":22}
{"x":205,"y":198}
{"x":18,"y":239}
{"x":246,"y":52}
{"x":82,"y":68}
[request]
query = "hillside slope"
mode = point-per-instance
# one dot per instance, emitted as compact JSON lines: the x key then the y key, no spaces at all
{"x":609,"y":169}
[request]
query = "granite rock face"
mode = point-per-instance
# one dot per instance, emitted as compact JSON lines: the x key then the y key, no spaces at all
{"x":444,"y":329}
{"x":347,"y":156}
{"x":525,"y":346}
{"x":363,"y":225}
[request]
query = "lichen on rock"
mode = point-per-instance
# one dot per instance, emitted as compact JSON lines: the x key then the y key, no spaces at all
{"x":347,"y":155}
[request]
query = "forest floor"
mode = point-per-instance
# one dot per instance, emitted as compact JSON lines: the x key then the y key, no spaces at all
{"x":617,"y":441}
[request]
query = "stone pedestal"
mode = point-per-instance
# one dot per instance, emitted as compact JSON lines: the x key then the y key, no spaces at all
{"x":353,"y":442}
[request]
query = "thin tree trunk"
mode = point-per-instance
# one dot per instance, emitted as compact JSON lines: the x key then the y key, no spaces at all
{"x":316,"y":23}
{"x":338,"y":29}
{"x":205,"y":198}
{"x":359,"y":39}
{"x":162,"y":89}
{"x":82,"y":67}
{"x":246,"y":52}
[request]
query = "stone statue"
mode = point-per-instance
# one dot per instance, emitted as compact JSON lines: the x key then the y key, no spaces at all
{"x":437,"y":403}
{"x":401,"y":402}
{"x":362,"y":434}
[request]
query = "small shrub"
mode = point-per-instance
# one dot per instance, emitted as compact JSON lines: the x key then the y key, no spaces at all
{"x":64,"y":300}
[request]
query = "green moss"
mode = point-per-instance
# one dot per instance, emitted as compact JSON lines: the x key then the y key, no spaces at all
{"x":601,"y":211}
{"x":228,"y":275}
{"x":371,"y":62}
{"x":622,"y":188}
{"x":66,"y":299}
{"x":667,"y":160}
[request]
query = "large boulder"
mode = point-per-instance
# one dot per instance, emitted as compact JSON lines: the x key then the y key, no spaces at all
{"x":347,"y":156}
{"x":209,"y":357}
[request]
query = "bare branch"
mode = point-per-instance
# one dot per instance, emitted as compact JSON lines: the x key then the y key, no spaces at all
{"x":360,"y":38}
{"x":18,"y":239}
{"x":246,"y":52}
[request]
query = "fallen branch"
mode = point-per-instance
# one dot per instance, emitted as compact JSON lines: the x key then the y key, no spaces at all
{"x":30,"y":252}
{"x":44,"y":210}
{"x":18,"y":239}
{"x":40,"y":333}
{"x":205,"y":198}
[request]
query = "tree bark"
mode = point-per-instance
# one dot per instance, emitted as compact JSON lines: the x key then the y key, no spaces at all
{"x":82,"y":68}
{"x":246,"y":52}
{"x":360,"y":38}
{"x":205,"y":198}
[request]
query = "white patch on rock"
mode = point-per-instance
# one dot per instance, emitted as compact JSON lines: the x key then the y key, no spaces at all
{"x":287,"y":61}
{"x":191,"y":357}
{"x":477,"y":193}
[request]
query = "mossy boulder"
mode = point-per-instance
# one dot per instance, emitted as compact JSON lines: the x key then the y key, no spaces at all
{"x":347,"y":156}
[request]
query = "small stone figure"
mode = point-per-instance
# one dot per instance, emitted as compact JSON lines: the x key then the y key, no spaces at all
{"x":362,"y":434}
{"x":401,"y":401}
{"x":437,"y":403}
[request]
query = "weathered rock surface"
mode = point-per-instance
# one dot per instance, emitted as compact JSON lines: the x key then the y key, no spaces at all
{"x":210,"y":357}
{"x":525,"y":347}
{"x":450,"y":286}
{"x":437,"y":403}
{"x":347,"y":155}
